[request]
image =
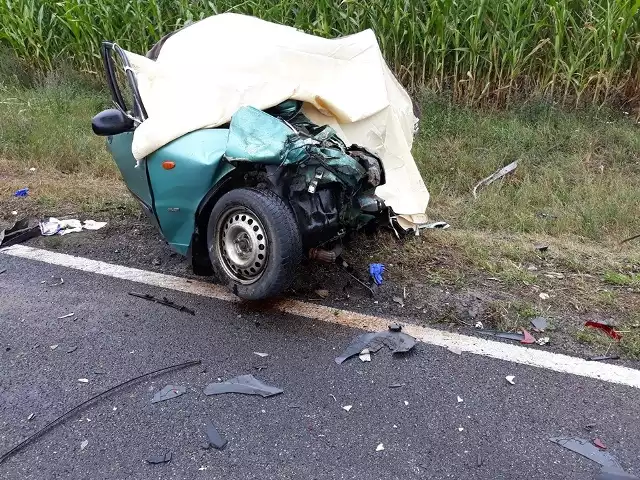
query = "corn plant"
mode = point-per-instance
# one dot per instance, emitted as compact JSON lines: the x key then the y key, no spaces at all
{"x":481,"y":51}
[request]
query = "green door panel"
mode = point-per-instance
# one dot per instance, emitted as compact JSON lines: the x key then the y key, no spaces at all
{"x":135,"y":177}
{"x":178,"y":191}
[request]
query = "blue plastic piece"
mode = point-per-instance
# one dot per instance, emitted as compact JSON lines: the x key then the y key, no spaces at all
{"x":23,"y":192}
{"x":375,"y":271}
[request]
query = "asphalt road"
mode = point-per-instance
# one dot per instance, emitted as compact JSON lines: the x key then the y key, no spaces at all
{"x":303,"y":433}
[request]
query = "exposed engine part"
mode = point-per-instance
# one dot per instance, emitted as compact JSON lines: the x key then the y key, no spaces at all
{"x":326,"y":256}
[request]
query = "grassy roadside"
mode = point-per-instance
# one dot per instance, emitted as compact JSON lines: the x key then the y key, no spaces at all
{"x":576,"y":189}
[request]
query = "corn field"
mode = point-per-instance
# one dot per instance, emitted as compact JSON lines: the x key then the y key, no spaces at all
{"x":481,"y":51}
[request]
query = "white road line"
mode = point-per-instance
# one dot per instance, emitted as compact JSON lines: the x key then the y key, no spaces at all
{"x":478,"y":346}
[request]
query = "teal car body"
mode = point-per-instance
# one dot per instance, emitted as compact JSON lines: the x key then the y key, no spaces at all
{"x":245,"y":200}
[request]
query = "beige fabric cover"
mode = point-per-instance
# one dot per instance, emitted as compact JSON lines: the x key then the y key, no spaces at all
{"x":205,"y":72}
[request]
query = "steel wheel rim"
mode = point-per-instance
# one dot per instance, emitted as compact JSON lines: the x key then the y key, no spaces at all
{"x":242,"y":245}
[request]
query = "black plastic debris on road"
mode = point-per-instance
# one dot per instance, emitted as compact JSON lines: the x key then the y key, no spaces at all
{"x":397,"y":342}
{"x":157,"y":459}
{"x":587,"y":449}
{"x":71,"y":349}
{"x":163,"y":301}
{"x":2,"y":270}
{"x":599,"y":358}
{"x":215,"y":439}
{"x":244,"y":384}
{"x":20,"y":232}
{"x":167,"y":393}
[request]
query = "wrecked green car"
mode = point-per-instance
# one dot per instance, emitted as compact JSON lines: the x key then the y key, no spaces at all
{"x":249,"y":199}
{"x":253,"y":145}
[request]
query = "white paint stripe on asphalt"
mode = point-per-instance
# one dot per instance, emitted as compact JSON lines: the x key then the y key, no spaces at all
{"x":479,"y":346}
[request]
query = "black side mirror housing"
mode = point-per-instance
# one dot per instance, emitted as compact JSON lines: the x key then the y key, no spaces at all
{"x":111,"y":122}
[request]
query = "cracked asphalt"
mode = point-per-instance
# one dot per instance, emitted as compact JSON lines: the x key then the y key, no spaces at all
{"x":498,"y":431}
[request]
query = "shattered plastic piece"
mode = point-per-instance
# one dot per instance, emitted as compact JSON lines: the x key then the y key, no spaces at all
{"x":544,"y":296}
{"x":83,"y":380}
{"x":524,"y":337}
{"x":599,"y":358}
{"x":2,"y":271}
{"x":605,"y":327}
{"x":215,"y":440}
{"x":598,"y":443}
{"x":406,"y":403}
{"x":460,"y":400}
{"x":23,"y":192}
{"x":455,"y":350}
{"x":19,"y":232}
{"x":84,"y":444}
{"x":510,"y":379}
{"x":375,"y":271}
{"x":494,"y":176}
{"x":542,"y":341}
{"x":365,"y":355}
{"x":528,"y":338}
{"x":380,"y":447}
{"x":441,"y":225}
{"x":167,"y":393}
{"x":347,"y":407}
{"x":539,"y":324}
{"x":322,"y":293}
{"x":53,"y":347}
{"x":396,"y":385}
{"x":32,"y":169}
{"x":72,"y":349}
{"x":398,"y":342}
{"x":461,"y":429}
{"x":260,"y":354}
{"x":586,"y":449}
{"x":66,"y":316}
{"x":157,"y":459}
{"x":479,"y":325}
{"x":164,"y":301}
{"x":30,"y":417}
{"x":245,"y":384}
{"x":55,"y":281}
{"x":542,"y":247}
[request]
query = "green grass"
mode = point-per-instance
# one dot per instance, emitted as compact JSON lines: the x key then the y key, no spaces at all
{"x":482,"y":51}
{"x":578,"y":172}
{"x":622,"y":280}
{"x":45,"y":124}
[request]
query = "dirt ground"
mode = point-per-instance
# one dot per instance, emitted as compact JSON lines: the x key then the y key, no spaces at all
{"x":428,"y":281}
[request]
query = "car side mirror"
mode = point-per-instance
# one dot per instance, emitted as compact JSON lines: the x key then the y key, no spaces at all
{"x":111,"y":122}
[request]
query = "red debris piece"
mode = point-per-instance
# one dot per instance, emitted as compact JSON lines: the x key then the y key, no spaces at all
{"x":598,"y":443}
{"x":606,"y":328}
{"x":528,"y":338}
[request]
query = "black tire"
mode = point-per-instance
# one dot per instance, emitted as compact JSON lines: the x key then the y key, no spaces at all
{"x":283,"y":248}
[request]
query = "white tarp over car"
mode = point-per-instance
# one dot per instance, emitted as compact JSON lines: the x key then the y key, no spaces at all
{"x":205,"y":72}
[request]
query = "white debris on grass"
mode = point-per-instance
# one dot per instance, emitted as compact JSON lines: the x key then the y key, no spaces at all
{"x":544,"y":296}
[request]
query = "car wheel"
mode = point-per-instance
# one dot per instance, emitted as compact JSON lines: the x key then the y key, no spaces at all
{"x":254,"y":243}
